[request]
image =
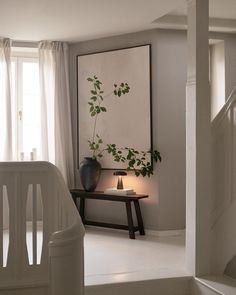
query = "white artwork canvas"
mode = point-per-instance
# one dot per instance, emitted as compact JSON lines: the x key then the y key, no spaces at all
{"x":127,"y":122}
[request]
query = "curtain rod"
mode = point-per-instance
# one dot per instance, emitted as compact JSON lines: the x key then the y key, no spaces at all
{"x":29,"y":44}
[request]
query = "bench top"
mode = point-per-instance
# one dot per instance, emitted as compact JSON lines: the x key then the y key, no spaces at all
{"x":99,"y":195}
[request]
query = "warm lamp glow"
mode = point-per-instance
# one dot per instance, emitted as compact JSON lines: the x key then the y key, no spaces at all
{"x":120,"y":182}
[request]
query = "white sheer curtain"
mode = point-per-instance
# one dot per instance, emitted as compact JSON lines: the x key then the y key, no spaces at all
{"x":55,"y":111}
{"x":6,"y":106}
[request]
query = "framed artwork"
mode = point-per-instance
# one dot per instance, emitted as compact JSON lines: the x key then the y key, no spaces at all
{"x":127,"y":121}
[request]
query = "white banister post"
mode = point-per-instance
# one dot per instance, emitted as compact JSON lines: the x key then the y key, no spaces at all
{"x":66,"y":266}
{"x":198,"y":140}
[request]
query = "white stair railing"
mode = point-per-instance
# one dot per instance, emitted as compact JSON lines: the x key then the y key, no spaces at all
{"x":41,"y":234}
{"x":223,"y":205}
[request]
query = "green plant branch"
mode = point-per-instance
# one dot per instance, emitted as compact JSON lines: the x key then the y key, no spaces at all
{"x":136,"y":160}
{"x":95,"y":124}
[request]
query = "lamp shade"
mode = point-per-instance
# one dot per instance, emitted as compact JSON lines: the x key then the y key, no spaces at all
{"x":120,"y":173}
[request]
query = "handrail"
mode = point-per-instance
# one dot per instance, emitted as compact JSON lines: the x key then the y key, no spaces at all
{"x":66,"y":251}
{"x":223,"y":158}
{"x":62,"y":227}
{"x":67,"y":261}
{"x":222,"y":113}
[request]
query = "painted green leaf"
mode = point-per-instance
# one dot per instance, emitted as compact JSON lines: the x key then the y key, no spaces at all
{"x":94,"y":98}
{"x":137,"y":173}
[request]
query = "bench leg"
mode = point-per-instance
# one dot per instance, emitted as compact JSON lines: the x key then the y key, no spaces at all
{"x":139,"y":217}
{"x":130,"y":220}
{"x":82,"y":208}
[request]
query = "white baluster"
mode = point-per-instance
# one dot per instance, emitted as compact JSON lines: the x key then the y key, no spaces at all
{"x":34,"y":219}
{"x":1,"y":225}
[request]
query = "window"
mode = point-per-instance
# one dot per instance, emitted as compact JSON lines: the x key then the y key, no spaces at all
{"x":217,"y":76}
{"x":26,"y":103}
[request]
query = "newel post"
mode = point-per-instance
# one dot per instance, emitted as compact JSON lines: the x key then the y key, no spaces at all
{"x":198,"y":140}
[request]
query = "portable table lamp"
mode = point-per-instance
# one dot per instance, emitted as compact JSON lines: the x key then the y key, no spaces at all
{"x":120,"y":182}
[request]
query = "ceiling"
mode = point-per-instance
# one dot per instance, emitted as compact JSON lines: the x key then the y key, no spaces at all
{"x":222,"y":17}
{"x":217,"y":9}
{"x":78,"y":20}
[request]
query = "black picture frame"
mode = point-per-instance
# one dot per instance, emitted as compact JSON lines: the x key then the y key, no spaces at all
{"x":84,"y":63}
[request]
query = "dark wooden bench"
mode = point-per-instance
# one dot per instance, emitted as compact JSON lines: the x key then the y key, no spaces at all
{"x":128,"y":200}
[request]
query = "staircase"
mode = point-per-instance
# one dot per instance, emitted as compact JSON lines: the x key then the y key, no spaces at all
{"x":223,"y":201}
{"x":41,"y":240}
{"x":168,"y":286}
{"x":223,"y":206}
{"x":213,"y":285}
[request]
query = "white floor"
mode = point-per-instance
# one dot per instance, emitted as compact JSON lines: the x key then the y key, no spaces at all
{"x":111,"y":257}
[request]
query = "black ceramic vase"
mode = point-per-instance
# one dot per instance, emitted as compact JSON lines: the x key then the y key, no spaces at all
{"x":90,"y":170}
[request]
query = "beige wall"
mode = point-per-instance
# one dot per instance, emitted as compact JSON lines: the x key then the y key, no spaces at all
{"x":165,"y":208}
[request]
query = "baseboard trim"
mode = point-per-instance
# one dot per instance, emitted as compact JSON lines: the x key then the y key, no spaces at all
{"x":155,"y":233}
{"x":23,"y":285}
{"x":165,"y":233}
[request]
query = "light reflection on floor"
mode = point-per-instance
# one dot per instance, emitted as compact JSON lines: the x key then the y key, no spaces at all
{"x":111,"y":257}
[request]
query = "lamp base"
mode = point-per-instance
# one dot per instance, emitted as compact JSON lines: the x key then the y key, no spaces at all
{"x":120,"y":183}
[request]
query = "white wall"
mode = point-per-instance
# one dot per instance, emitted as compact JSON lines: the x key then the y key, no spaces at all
{"x":165,"y":208}
{"x":217,"y":77}
{"x":230,"y":60}
{"x":230,"y":64}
